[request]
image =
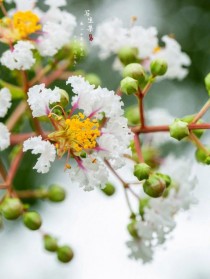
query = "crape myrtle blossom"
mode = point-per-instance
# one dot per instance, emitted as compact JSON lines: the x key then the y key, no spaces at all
{"x":94,"y":130}
{"x":20,"y":57}
{"x":5,"y":104}
{"x":27,"y":27}
{"x":158,"y":218}
{"x":111,"y":36}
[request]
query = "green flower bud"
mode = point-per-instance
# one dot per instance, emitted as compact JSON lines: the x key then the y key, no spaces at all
{"x":64,"y":98}
{"x":202,"y":156}
{"x":207,"y":83}
{"x":132,"y":229}
{"x":109,"y":189}
{"x":11,"y":208}
{"x":129,"y":85}
{"x":50,"y":243}
{"x":65,"y":254}
{"x":143,"y":203}
{"x":142,"y":171}
{"x":132,"y":114}
{"x":93,"y":79}
{"x":165,"y":177}
{"x":158,"y":67}
{"x":56,"y":193}
{"x":179,"y":129}
{"x":189,"y":119}
{"x":154,"y":186}
{"x":128,"y":55}
{"x":79,"y":49}
{"x":134,"y":70}
{"x":151,"y":156}
{"x":32,"y":220}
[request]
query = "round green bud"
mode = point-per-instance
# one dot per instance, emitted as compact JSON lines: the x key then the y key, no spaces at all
{"x":64,"y":98}
{"x":165,"y":177}
{"x":65,"y":254}
{"x":128,"y":55}
{"x":129,"y":85}
{"x":135,"y":71}
{"x":189,"y":119}
{"x":142,"y":171}
{"x":151,"y":156}
{"x":132,"y":114}
{"x":202,"y":156}
{"x":132,"y":229}
{"x":158,"y":67}
{"x":109,"y":189}
{"x":154,"y":186}
{"x":11,"y":208}
{"x":179,"y":129}
{"x":79,"y":49}
{"x":207,"y":83}
{"x":50,"y":243}
{"x":32,"y":220}
{"x":56,"y":193}
{"x":93,"y":79}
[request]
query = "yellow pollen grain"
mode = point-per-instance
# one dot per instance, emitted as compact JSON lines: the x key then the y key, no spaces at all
{"x":26,"y":23}
{"x":156,"y":49}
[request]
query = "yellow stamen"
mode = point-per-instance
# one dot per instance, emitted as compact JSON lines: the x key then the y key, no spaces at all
{"x":26,"y":23}
{"x":156,"y":49}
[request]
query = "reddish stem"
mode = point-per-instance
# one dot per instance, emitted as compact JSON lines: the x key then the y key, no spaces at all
{"x":138,"y":148}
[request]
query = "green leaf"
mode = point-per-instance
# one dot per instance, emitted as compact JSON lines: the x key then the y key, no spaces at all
{"x":17,"y":92}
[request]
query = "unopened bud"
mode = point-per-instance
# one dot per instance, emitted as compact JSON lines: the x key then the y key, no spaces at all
{"x":93,"y":79}
{"x":165,"y":177}
{"x":132,"y":229}
{"x":136,"y":71}
{"x":189,"y":119}
{"x":56,"y":193}
{"x":78,"y":49}
{"x":207,"y":83}
{"x":11,"y":208}
{"x":128,"y":55}
{"x":202,"y":156}
{"x":129,"y":85}
{"x":32,"y":220}
{"x":65,"y":254}
{"x":109,"y":189}
{"x":154,"y":186}
{"x":132,"y":114}
{"x":142,"y":171}
{"x":64,"y":98}
{"x":50,"y":243}
{"x":179,"y":129}
{"x":158,"y":67}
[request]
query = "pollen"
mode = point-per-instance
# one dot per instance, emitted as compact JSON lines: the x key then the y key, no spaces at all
{"x":82,"y":132}
{"x":156,"y":49}
{"x":26,"y":23}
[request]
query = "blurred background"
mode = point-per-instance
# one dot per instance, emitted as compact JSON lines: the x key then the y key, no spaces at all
{"x":94,"y":225}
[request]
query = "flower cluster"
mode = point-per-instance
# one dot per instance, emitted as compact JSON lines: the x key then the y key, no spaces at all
{"x":113,"y":38}
{"x":157,"y":215}
{"x":92,"y":132}
{"x":27,"y":28}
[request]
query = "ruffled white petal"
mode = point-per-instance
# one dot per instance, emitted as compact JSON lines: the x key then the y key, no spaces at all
{"x":39,"y":99}
{"x":20,"y":58}
{"x":4,"y":137}
{"x":5,"y":101}
{"x":45,"y":149}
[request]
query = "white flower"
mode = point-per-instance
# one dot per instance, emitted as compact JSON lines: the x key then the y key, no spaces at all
{"x":111,"y":36}
{"x":176,"y":59}
{"x":5,"y":101}
{"x":20,"y":58}
{"x":39,"y":99}
{"x":23,"y":5}
{"x":140,"y":250}
{"x":4,"y":137}
{"x":89,"y":174}
{"x":45,"y":148}
{"x":55,"y":3}
{"x":156,"y":117}
{"x":58,"y":27}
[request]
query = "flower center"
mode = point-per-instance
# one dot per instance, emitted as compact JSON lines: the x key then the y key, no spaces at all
{"x":26,"y":23}
{"x":75,"y":134}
